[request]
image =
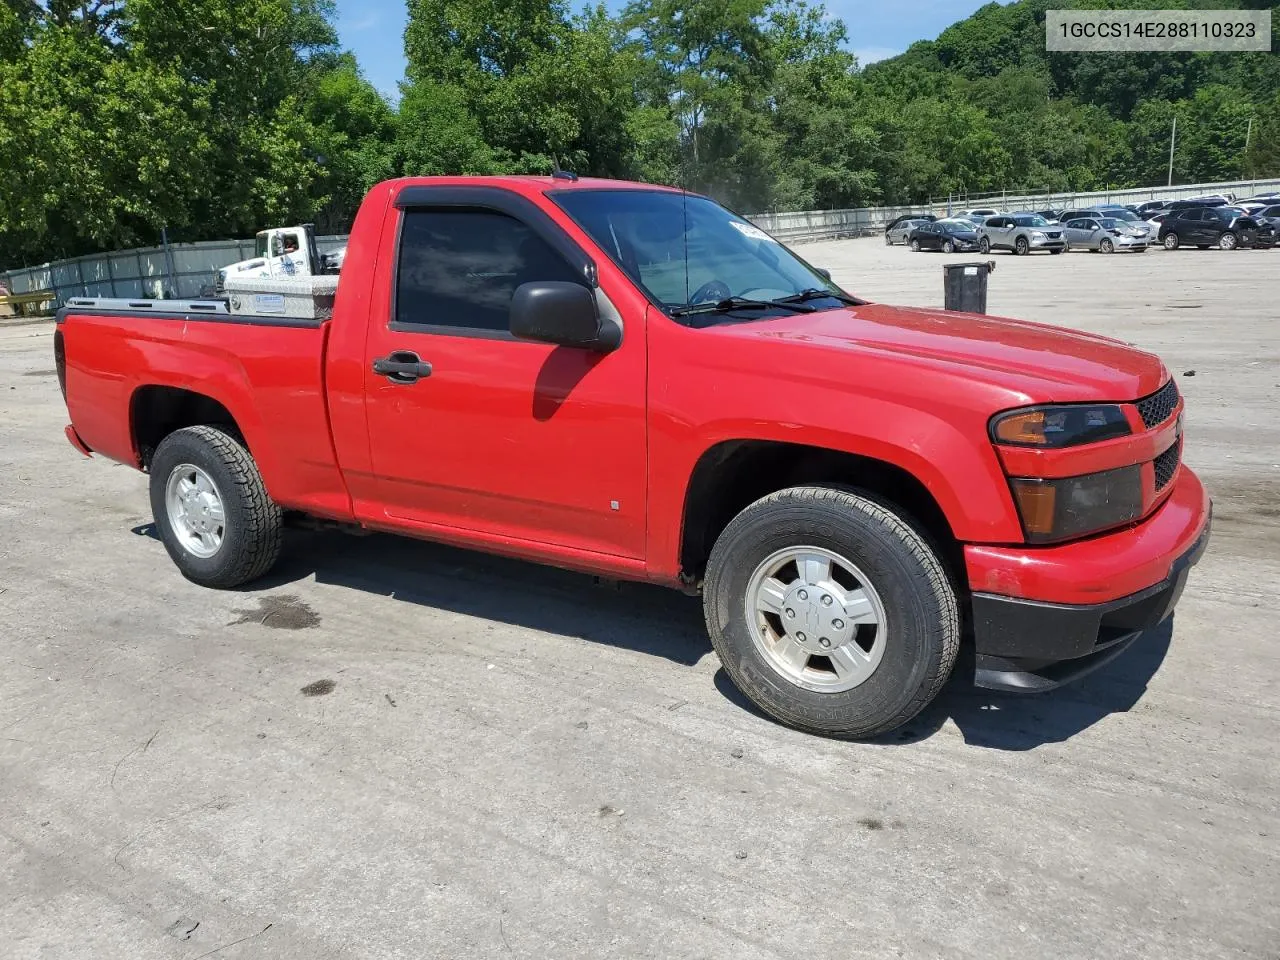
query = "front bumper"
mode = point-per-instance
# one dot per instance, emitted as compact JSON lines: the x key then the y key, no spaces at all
{"x":1027,"y":643}
{"x":1059,"y":244}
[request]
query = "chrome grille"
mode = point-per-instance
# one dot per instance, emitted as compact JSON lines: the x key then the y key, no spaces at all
{"x":1167,"y":465}
{"x":1159,"y":407}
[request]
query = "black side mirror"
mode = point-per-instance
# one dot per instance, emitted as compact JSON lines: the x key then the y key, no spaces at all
{"x":562,"y":313}
{"x":826,"y":274}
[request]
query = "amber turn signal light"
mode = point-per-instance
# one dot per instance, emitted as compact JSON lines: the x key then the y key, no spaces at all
{"x":1036,"y":504}
{"x":1022,"y":428}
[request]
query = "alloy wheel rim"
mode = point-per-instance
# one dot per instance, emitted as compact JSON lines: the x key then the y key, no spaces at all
{"x":197,"y":514}
{"x":816,"y":619}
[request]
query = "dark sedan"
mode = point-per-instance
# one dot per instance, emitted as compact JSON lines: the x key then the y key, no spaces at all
{"x":949,"y":236}
{"x":1269,"y":215}
{"x":1207,"y":227}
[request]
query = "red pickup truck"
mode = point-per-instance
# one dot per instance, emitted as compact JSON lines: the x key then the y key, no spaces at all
{"x":632,"y":381}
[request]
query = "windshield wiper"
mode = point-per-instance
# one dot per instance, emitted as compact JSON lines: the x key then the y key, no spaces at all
{"x":814,"y":293}
{"x":739,"y":303}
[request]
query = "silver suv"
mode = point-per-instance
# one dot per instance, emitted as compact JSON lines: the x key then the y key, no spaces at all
{"x":1020,"y":232}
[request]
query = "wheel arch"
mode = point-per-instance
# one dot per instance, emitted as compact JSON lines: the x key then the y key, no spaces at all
{"x":732,"y":474}
{"x":157,"y":410}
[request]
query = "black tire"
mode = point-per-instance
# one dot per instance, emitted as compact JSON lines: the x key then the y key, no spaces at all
{"x":1229,"y":241}
{"x":1021,"y":247}
{"x":919,"y":601}
{"x":887,"y":241}
{"x":1106,"y":246}
{"x":984,"y":245}
{"x":1172,"y":241}
{"x":252,"y":531}
{"x":915,"y":246}
{"x":948,"y":247}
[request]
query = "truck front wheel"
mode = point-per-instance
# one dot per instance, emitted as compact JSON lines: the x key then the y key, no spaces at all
{"x":211,"y":508}
{"x":830,"y":612}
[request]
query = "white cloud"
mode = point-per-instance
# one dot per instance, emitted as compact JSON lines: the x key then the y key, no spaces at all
{"x":867,"y":55}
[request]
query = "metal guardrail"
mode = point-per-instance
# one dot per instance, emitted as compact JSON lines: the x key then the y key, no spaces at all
{"x":856,"y":222}
{"x":17,"y":305}
{"x":143,"y":273}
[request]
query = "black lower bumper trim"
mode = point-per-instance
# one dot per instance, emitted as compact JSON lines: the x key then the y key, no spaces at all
{"x":1026,"y":646}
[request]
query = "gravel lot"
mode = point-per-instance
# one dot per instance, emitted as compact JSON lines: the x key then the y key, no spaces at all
{"x":393,"y":749}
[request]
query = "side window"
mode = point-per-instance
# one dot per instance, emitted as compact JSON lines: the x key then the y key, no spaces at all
{"x":460,"y":268}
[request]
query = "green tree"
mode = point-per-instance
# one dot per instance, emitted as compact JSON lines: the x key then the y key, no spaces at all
{"x":522,"y":83}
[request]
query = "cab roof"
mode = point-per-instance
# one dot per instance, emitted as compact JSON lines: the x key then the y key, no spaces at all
{"x":528,"y":184}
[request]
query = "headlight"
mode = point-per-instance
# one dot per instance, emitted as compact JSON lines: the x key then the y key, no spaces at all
{"x":1060,"y":426}
{"x":1076,"y":506}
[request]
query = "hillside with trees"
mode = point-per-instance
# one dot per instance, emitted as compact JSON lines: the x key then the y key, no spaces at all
{"x":215,"y":118}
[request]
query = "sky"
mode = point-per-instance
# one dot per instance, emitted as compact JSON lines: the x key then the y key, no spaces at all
{"x":374,"y":29}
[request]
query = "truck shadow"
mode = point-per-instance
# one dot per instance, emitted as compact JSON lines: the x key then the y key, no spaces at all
{"x":1007,"y":721}
{"x":663,"y":623}
{"x":648,"y":619}
{"x":1010,"y":721}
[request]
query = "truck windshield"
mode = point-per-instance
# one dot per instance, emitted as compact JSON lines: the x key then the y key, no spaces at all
{"x":685,"y":250}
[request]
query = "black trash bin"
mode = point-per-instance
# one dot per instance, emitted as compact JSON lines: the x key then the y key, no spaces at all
{"x":965,"y":286}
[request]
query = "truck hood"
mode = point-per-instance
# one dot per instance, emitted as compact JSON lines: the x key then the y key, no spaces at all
{"x":1045,"y":363}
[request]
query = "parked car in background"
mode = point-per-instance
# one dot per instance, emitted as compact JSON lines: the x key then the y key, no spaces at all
{"x":334,"y":260}
{"x":1020,"y":233}
{"x":1198,"y":202}
{"x":1265,"y":237}
{"x":1269,"y":215}
{"x":900,"y":228}
{"x":982,"y":212}
{"x":1269,"y":218}
{"x":1066,"y":215}
{"x":1126,"y":215}
{"x":1207,"y":227}
{"x":1051,"y":215}
{"x":1105,"y":234}
{"x":1150,"y":207}
{"x":949,"y":236}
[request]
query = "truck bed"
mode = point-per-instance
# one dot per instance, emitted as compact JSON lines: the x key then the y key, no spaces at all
{"x":266,"y":371}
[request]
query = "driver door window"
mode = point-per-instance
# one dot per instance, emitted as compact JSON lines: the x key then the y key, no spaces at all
{"x":460,"y":268}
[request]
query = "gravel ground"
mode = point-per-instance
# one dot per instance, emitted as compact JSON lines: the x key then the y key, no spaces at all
{"x":394,"y":749}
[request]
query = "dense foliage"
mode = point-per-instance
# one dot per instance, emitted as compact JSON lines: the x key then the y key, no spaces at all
{"x":218,"y":117}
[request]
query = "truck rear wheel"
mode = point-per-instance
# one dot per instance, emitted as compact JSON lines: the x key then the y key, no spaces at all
{"x":830,"y":612}
{"x":211,"y":508}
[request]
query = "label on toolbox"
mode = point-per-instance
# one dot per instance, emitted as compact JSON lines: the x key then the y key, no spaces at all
{"x":268,"y":303}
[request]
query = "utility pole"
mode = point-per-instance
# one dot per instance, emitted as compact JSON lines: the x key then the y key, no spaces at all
{"x":1248,"y":133}
{"x":1172,"y":141}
